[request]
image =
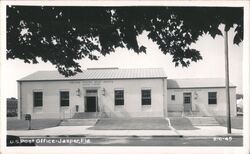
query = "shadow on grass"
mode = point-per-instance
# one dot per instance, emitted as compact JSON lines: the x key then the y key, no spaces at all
{"x":36,"y":124}
{"x":181,"y":123}
{"x":131,"y":124}
{"x":236,"y":122}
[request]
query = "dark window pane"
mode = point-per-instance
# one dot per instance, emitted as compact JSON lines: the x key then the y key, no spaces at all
{"x":119,"y":102}
{"x":187,"y":100}
{"x":146,"y":93}
{"x":64,"y":103}
{"x":119,"y":94}
{"x":212,"y":98}
{"x":146,"y":101}
{"x":64,"y":98}
{"x":172,"y":97}
{"x":119,"y":97}
{"x":38,"y":99}
{"x":146,"y":97}
{"x":65,"y":95}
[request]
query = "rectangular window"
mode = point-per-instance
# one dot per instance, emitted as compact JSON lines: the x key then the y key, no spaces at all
{"x":146,"y":97}
{"x":119,"y":97}
{"x":212,"y":98}
{"x":38,"y":99}
{"x":172,"y":97}
{"x":64,"y":98}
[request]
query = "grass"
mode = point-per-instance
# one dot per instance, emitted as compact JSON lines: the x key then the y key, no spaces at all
{"x":181,"y":123}
{"x":131,"y":124}
{"x":236,"y":122}
{"x":17,"y":124}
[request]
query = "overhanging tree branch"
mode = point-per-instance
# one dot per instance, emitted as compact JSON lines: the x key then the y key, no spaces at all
{"x":63,"y":35}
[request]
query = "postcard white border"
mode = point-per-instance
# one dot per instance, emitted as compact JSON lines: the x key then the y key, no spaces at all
{"x":123,"y":149}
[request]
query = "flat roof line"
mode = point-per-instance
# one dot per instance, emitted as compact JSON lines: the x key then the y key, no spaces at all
{"x":92,"y":79}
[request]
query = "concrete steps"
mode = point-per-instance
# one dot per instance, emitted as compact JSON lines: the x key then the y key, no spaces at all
{"x":82,"y":119}
{"x":193,"y":114}
{"x":182,"y":114}
{"x":175,"y":114}
{"x":88,"y":115}
{"x":78,"y":122}
{"x":203,"y":121}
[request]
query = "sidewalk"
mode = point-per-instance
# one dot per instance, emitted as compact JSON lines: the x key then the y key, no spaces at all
{"x":203,"y":131}
{"x":210,"y":131}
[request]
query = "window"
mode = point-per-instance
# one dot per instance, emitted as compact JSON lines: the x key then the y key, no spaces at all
{"x":146,"y":97}
{"x":119,"y":97}
{"x":38,"y":99}
{"x":172,"y":97}
{"x":64,"y":98}
{"x":212,"y":98}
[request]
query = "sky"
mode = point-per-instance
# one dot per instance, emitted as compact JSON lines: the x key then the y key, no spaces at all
{"x":212,"y":65}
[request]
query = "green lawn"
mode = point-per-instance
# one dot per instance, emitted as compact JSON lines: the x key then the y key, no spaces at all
{"x":16,"y":124}
{"x":131,"y":124}
{"x":181,"y":123}
{"x":236,"y":122}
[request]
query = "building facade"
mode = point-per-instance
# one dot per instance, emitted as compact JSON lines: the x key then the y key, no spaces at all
{"x":116,"y":93}
{"x":204,"y":97}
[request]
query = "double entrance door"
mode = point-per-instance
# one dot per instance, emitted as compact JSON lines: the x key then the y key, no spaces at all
{"x":91,"y":100}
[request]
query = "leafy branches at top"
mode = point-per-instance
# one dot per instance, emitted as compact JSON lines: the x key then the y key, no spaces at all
{"x":64,"y":35}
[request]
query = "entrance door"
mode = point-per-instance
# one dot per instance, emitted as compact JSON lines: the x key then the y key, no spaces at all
{"x":91,"y":104}
{"x":187,"y":102}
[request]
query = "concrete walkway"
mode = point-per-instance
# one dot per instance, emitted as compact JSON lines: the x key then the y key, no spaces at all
{"x":84,"y":131}
{"x":210,"y":131}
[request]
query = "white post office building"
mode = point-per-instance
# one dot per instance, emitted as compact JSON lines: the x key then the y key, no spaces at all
{"x":113,"y":92}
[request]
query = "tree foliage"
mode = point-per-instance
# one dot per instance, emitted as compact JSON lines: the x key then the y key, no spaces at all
{"x":64,"y":35}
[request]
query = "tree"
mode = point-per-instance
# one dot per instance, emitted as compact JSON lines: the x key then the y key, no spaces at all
{"x":64,"y":35}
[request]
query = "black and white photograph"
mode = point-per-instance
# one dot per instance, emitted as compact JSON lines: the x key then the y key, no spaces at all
{"x":116,"y":75}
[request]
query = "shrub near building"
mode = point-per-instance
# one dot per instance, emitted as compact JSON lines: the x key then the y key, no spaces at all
{"x":11,"y":107}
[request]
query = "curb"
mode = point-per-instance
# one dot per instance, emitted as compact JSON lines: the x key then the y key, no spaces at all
{"x":100,"y":136}
{"x":230,"y":135}
{"x":236,"y":136}
{"x":133,"y":136}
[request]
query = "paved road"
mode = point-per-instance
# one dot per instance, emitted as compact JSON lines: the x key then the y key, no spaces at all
{"x":136,"y":141}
